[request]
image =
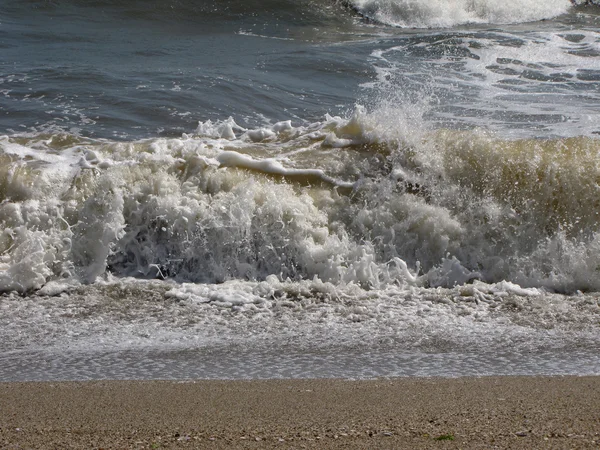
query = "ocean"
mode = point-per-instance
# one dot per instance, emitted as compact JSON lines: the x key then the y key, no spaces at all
{"x":299,"y":188}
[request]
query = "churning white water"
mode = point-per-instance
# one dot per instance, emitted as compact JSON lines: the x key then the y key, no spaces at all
{"x":323,"y":193}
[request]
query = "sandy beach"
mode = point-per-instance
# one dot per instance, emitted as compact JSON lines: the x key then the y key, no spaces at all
{"x":494,"y":412}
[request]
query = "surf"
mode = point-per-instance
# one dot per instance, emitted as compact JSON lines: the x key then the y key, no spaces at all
{"x":443,"y":14}
{"x":344,"y":200}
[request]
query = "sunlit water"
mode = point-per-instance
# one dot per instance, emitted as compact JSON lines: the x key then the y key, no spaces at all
{"x":298,"y":189}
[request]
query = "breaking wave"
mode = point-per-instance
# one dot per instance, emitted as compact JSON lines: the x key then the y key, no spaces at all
{"x":445,"y":14}
{"x":346,"y":200}
{"x":402,"y":13}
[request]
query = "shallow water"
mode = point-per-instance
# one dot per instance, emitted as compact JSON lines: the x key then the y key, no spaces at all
{"x":298,"y":189}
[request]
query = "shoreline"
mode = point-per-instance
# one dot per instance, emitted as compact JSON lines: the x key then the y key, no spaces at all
{"x":515,"y":412}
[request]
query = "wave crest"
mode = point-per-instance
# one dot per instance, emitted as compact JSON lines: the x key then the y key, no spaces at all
{"x":369,"y":200}
{"x":445,"y":14}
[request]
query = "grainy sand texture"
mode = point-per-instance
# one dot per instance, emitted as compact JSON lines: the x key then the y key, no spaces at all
{"x":492,"y":412}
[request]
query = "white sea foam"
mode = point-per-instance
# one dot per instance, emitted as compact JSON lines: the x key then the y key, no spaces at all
{"x":374,"y":199}
{"x":398,"y":232}
{"x":93,"y":331}
{"x":397,"y":239}
{"x":553,"y":57}
{"x":523,"y":83}
{"x":446,"y":14}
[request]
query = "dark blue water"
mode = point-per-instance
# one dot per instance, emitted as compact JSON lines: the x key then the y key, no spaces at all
{"x":138,"y":69}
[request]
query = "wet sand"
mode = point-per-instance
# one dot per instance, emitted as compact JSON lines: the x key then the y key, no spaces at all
{"x":494,"y":412}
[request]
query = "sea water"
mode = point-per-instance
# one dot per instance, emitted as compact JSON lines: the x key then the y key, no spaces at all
{"x":299,"y":188}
